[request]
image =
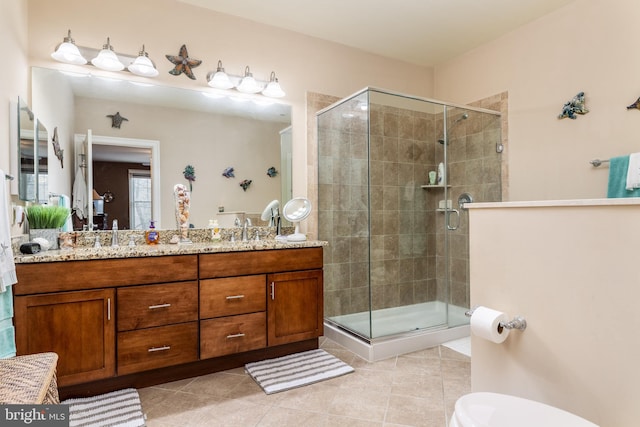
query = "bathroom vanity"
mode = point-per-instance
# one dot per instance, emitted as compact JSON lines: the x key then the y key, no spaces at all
{"x":134,"y":317}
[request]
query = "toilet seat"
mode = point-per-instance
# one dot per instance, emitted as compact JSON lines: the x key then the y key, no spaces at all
{"x":498,"y":410}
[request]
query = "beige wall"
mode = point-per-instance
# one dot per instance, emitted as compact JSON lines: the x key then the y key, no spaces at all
{"x":572,"y":272}
{"x":14,"y":81}
{"x":302,"y":63}
{"x":589,"y":46}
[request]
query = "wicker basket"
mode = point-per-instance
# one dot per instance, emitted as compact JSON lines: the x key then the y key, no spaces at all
{"x":29,"y":379}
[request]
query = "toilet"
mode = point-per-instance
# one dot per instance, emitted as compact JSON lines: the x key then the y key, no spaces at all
{"x":498,"y":410}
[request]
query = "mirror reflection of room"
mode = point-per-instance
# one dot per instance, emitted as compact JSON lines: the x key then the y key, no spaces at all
{"x":192,"y":129}
{"x":121,"y":187}
{"x":33,"y":158}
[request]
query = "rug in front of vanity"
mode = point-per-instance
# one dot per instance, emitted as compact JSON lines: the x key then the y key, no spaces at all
{"x":120,"y":408}
{"x":296,"y":370}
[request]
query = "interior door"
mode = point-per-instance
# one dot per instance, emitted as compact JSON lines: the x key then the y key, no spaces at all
{"x":88,"y":151}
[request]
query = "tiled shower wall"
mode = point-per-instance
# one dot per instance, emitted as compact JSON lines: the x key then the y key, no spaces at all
{"x":407,"y":242}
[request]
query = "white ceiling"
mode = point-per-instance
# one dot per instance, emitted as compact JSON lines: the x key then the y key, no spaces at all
{"x":423,"y":32}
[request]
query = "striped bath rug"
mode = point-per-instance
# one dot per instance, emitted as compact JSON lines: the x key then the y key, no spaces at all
{"x":120,"y":408}
{"x":296,"y":370}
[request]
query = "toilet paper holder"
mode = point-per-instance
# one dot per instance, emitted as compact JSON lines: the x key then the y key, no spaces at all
{"x":518,"y":322}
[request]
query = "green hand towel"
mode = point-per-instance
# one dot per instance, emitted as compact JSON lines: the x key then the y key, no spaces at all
{"x":7,"y":339}
{"x":6,"y":304}
{"x":618,"y":167}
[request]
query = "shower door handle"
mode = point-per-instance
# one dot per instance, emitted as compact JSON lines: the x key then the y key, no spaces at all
{"x":448,"y":221}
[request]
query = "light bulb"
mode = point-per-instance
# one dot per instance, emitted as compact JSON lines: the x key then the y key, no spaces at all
{"x":107,"y":59}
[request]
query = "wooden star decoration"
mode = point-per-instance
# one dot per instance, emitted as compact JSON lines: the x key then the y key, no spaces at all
{"x":183,"y":64}
{"x":117,"y":119}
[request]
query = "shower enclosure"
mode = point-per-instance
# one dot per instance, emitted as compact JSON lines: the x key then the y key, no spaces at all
{"x":397,"y":261}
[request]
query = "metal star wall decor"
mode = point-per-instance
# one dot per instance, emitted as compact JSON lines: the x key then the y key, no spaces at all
{"x":183,"y":64}
{"x":59,"y":152}
{"x":117,"y":119}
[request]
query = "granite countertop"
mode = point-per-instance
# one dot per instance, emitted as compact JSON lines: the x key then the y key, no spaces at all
{"x":125,"y":251}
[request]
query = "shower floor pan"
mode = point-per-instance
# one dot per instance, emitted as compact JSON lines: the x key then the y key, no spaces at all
{"x":397,"y":330}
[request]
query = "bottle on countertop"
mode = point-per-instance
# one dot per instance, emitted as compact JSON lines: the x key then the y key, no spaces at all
{"x":210,"y":227}
{"x":215,"y":232}
{"x":152,"y":236}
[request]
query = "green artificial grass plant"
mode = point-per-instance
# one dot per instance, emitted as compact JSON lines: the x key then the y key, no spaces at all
{"x":40,"y":216}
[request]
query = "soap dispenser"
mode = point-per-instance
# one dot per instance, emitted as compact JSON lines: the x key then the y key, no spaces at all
{"x":215,"y":232}
{"x":152,"y":236}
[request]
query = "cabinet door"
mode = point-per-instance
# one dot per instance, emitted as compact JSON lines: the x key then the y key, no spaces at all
{"x":78,"y":326}
{"x":294,"y":307}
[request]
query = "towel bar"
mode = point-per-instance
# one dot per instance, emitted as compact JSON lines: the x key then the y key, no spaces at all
{"x":598,"y":162}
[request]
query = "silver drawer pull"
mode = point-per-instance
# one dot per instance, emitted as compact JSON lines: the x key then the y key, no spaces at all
{"x":153,"y":307}
{"x":163,"y":348}
{"x":235,"y":296}
{"x":235,"y":336}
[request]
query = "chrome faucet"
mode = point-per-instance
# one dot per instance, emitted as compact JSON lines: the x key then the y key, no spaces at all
{"x":114,"y":233}
{"x":245,"y":233}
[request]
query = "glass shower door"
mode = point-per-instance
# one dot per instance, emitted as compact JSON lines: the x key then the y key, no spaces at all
{"x":471,"y":147}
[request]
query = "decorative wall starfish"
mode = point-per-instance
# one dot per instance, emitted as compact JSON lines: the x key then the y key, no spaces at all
{"x":183,"y":64}
{"x":117,"y":119}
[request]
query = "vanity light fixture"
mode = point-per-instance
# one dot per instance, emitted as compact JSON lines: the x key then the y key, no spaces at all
{"x":142,"y":65}
{"x":246,"y":84}
{"x":220,"y":80}
{"x":273,"y":89}
{"x":107,"y":59}
{"x":68,"y":52}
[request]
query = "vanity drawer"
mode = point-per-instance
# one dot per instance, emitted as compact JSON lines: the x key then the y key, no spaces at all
{"x":233,"y":295}
{"x":233,"y":334}
{"x":157,"y":305}
{"x":157,"y":347}
{"x":257,"y":262}
{"x":104,"y":273}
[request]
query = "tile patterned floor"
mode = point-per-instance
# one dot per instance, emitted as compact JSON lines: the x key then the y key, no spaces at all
{"x":416,"y":389}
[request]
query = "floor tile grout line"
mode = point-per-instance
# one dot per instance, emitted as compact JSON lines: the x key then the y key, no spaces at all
{"x":444,"y":400}
{"x":386,"y":410}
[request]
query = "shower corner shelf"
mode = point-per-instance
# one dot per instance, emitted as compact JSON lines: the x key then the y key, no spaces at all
{"x":434,"y":186}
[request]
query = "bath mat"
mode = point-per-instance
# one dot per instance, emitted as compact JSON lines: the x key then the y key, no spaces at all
{"x":120,"y":408}
{"x":296,"y":370}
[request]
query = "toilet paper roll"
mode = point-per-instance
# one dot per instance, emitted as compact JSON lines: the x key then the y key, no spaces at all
{"x":485,"y":323}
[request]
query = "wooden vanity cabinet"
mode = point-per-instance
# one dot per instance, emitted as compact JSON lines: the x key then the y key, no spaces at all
{"x":292,"y":279}
{"x":295,"y":306}
{"x":135,"y":322}
{"x":157,"y":326}
{"x":79,"y":326}
{"x":70,"y":308}
{"x":232,"y":315}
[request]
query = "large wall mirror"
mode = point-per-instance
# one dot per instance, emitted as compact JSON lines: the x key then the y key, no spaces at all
{"x":192,"y":127}
{"x":32,"y":156}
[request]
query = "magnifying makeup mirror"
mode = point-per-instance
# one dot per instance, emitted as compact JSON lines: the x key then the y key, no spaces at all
{"x":294,"y":211}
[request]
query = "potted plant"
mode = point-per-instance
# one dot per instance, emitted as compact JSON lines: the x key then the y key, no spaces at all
{"x":46,"y":221}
